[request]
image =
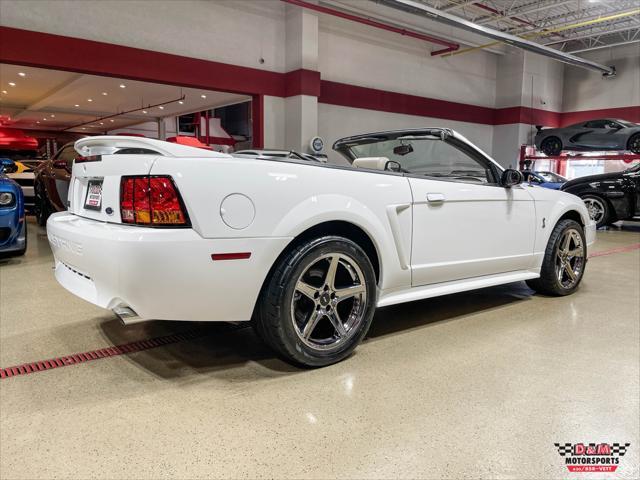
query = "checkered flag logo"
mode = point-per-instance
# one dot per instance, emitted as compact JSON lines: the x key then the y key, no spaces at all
{"x":619,"y":449}
{"x":564,"y":449}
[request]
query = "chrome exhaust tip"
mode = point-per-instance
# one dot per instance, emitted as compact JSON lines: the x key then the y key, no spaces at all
{"x":126,"y":314}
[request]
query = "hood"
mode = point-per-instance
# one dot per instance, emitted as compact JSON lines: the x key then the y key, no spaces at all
{"x":592,"y":178}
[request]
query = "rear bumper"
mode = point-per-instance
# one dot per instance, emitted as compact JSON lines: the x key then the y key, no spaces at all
{"x":162,"y":274}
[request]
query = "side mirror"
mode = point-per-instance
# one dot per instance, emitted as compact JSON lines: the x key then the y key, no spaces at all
{"x":393,"y":166}
{"x":7,"y":165}
{"x":511,"y":177}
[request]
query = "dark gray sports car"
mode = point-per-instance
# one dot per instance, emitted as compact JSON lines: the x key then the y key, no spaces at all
{"x":593,"y":135}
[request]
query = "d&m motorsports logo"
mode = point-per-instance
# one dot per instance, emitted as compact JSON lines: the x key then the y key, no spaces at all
{"x":592,"y":457}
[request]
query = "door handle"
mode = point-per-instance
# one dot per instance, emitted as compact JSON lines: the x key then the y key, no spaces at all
{"x":435,"y":197}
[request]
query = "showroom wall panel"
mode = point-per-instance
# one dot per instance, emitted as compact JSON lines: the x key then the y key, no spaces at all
{"x":336,"y":121}
{"x":359,"y":55}
{"x":235,"y":32}
{"x":586,"y":90}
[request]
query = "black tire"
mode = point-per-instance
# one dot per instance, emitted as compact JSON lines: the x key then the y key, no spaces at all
{"x":550,"y":283}
{"x":280,"y":309}
{"x":42,"y":209}
{"x":633,"y":144}
{"x":599,"y":210}
{"x":551,"y":146}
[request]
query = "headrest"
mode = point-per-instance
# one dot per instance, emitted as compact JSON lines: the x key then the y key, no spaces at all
{"x":372,"y":163}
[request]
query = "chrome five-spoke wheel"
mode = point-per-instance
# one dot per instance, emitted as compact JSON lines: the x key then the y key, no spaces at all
{"x":319,"y":302}
{"x":329,"y":302}
{"x":569,"y":258}
{"x":596,"y":209}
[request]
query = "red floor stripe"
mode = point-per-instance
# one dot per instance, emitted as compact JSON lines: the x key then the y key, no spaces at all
{"x":73,"y":359}
{"x":627,"y":248}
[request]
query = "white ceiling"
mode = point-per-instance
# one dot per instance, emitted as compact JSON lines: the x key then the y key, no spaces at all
{"x":55,"y":100}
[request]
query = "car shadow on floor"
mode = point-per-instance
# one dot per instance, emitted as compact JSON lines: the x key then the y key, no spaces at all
{"x":221,"y":348}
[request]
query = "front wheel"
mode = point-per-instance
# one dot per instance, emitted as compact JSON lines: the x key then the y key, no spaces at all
{"x":319,"y":302}
{"x":551,"y":146}
{"x":564,"y":260}
{"x":598,"y":209}
{"x":634,"y":144}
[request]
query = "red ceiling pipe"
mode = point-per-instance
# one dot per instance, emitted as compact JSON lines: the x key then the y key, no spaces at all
{"x":372,"y":23}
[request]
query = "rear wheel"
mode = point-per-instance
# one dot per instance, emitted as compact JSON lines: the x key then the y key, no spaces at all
{"x":319,"y":302}
{"x":598,"y":209}
{"x":634,"y":143}
{"x":564,"y":260}
{"x":551,"y":146}
{"x":42,"y":208}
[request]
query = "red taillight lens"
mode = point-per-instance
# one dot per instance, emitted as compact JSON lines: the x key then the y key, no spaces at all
{"x":165,"y":204}
{"x":126,"y":200}
{"x":151,"y":200}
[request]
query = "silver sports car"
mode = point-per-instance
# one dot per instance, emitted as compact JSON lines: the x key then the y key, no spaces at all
{"x":593,"y":135}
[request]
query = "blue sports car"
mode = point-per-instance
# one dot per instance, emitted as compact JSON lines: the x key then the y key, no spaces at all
{"x":544,"y":179}
{"x":13,"y":226}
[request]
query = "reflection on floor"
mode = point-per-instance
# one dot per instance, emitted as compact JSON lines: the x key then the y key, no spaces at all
{"x":479,"y":384}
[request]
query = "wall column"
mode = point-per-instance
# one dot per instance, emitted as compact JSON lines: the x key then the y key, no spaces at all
{"x":301,"y":52}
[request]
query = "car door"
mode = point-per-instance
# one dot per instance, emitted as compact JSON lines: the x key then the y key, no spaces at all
{"x":464,"y":223}
{"x":599,"y":134}
{"x":59,"y":174}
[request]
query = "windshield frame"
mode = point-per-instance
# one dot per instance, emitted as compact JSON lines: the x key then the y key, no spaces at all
{"x":344,"y":147}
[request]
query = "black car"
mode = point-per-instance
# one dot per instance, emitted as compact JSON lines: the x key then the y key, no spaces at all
{"x":609,"y":197}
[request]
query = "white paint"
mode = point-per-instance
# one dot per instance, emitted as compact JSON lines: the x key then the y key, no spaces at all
{"x":289,"y":198}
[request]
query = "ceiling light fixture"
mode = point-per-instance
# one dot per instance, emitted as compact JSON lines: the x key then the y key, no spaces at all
{"x":45,"y":119}
{"x":203,"y":96}
{"x":38,"y":121}
{"x":83,"y":128}
{"x":144,"y":111}
{"x":76,"y":105}
{"x":112,"y":120}
{"x":22,"y":74}
{"x":161,"y":107}
{"x":4,"y":91}
{"x":52,"y":116}
{"x":101,"y":123}
{"x":12,"y":84}
{"x":122,"y":85}
{"x":89,"y":99}
{"x":104,"y":93}
{"x":180,"y":102}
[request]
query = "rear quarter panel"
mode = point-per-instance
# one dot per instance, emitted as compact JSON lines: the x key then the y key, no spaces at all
{"x":288,"y":198}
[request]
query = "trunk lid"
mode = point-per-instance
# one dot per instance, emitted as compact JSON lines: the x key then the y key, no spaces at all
{"x":103,"y":176}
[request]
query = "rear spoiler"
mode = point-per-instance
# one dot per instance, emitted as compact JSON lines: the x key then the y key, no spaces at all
{"x":109,"y":144}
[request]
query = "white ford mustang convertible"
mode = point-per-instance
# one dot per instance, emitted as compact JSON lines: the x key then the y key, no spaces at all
{"x":306,"y":250}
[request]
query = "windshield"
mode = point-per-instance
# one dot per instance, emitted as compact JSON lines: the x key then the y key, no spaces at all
{"x":627,"y":124}
{"x":552,"y":177}
{"x":429,"y":156}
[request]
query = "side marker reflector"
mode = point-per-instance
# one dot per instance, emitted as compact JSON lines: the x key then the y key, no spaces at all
{"x":230,"y":256}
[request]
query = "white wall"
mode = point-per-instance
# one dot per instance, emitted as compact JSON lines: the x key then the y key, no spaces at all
{"x":229,"y":31}
{"x":364,"y":56}
{"x":335,"y":122}
{"x":274,"y":122}
{"x":149,"y":129}
{"x":585,"y":90}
